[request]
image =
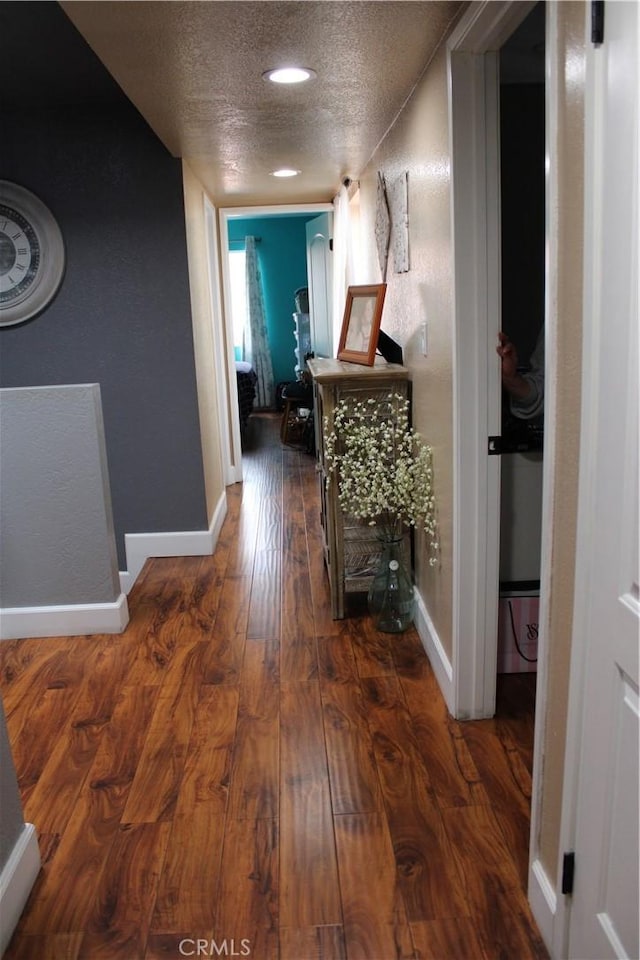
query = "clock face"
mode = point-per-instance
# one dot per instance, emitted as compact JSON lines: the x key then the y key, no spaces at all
{"x":19,"y":255}
{"x":31,"y":254}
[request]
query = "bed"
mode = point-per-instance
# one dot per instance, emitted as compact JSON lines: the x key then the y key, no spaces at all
{"x":247,"y":379}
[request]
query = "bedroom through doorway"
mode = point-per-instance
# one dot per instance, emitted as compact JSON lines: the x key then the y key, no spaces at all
{"x":282,"y":261}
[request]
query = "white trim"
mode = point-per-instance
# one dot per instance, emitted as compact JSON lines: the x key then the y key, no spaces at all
{"x":186,"y":543}
{"x":550,"y":932}
{"x":476,"y":476}
{"x":434,"y":650}
{"x":16,"y":881}
{"x":543,"y":900}
{"x":64,"y":620}
{"x":235,"y":439}
{"x":474,"y":119}
{"x":74,"y":620}
{"x":225,"y":389}
{"x":275,"y":210}
{"x":488,"y":24}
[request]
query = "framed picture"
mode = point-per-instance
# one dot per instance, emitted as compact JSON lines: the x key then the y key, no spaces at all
{"x":361,"y":323}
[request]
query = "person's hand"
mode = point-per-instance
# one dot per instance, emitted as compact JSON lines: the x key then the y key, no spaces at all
{"x":512,"y":381}
{"x":509,"y":357}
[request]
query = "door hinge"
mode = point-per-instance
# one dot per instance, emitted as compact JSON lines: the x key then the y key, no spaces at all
{"x":494,"y":445}
{"x":568,"y":869}
{"x":597,"y":22}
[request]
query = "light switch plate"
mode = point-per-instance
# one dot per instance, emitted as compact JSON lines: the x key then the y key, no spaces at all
{"x":423,"y":338}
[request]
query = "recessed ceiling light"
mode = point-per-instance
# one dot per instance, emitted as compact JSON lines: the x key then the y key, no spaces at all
{"x":285,"y":172}
{"x":289,"y":75}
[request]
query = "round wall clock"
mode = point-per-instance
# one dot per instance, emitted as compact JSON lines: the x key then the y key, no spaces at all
{"x":31,"y":254}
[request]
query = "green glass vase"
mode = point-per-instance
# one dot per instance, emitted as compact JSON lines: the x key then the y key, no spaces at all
{"x":391,"y":601}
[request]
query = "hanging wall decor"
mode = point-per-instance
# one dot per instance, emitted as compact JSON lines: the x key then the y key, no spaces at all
{"x":32,"y":254}
{"x":397,"y":197}
{"x":383,"y":226}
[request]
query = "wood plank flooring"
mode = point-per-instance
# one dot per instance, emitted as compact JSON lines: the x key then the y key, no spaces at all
{"x":240,"y":775}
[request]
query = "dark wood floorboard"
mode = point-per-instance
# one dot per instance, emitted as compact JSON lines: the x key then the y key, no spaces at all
{"x":239,"y":769}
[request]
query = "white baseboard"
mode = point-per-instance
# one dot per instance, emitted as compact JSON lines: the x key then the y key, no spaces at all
{"x":543,"y":901}
{"x":188,"y":543}
{"x":72,"y":620}
{"x":16,"y":880}
{"x":435,"y":651}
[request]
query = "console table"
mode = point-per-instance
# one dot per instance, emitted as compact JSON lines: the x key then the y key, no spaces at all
{"x":351,"y":549}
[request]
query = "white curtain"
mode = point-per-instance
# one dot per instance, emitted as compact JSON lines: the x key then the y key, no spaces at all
{"x":256,"y":344}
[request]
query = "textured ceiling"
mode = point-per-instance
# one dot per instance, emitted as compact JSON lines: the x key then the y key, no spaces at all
{"x":194,"y":71}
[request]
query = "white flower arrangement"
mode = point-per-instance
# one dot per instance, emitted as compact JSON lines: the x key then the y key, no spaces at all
{"x":383,"y":467}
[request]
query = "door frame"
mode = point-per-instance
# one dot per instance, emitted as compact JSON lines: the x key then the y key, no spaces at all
{"x":474,"y":88}
{"x":321,"y":278}
{"x":219,"y":337}
{"x":473,"y":99}
{"x":233,"y":446}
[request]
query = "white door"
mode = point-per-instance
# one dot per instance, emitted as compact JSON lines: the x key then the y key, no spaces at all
{"x":604,"y":910}
{"x":319,"y":278}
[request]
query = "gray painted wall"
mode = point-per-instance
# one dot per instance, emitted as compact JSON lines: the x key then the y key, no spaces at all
{"x":58,"y":543}
{"x":122,"y":316}
{"x":11,"y":817}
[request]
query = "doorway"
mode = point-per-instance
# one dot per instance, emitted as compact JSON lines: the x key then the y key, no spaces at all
{"x":470,"y":680}
{"x":474,"y":67}
{"x":233,"y":453}
{"x":522,"y":262}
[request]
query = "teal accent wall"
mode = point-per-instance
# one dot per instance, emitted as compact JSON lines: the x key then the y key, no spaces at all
{"x":282,"y":256}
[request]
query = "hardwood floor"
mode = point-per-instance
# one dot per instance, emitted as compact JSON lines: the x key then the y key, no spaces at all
{"x":239,"y":769}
